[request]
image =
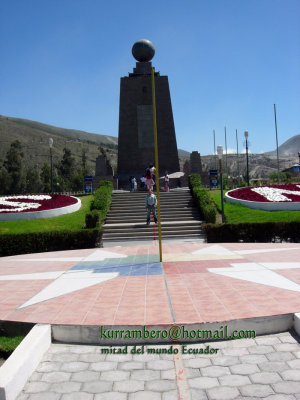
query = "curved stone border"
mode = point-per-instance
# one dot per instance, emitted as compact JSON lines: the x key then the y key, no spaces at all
{"x":17,"y":369}
{"x":55,"y":212}
{"x":265,"y":206}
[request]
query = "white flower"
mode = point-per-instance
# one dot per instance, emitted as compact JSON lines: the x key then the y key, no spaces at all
{"x":19,"y":206}
{"x":275,"y":194}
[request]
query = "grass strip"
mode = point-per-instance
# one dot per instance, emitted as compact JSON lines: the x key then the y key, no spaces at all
{"x":72,"y":222}
{"x":236,"y":213}
{"x":9,"y":344}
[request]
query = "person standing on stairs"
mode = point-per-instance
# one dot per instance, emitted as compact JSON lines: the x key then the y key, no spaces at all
{"x":151,"y":204}
{"x":149,"y":181}
{"x":166,"y":179}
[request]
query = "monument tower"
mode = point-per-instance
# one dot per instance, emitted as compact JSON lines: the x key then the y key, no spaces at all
{"x":136,"y":142}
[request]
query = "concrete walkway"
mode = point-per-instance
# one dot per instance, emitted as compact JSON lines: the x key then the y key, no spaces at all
{"x":265,"y":367}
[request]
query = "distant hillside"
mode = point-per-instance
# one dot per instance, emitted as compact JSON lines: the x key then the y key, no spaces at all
{"x":183,"y":153}
{"x":289,"y":148}
{"x":34,"y":137}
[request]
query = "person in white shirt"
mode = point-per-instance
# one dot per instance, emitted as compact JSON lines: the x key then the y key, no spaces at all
{"x":151,"y":204}
{"x":166,"y":178}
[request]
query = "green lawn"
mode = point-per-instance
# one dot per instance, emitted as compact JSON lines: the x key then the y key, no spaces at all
{"x":8,"y":344}
{"x":235,"y":213}
{"x":72,"y":222}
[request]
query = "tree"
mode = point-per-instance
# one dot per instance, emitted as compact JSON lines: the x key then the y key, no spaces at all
{"x":288,"y":177}
{"x":66,"y":168}
{"x":283,"y":177}
{"x":102,"y":151}
{"x":13,"y":165}
{"x":33,"y":182}
{"x":45,"y":178}
{"x":5,"y":181}
{"x":83,"y":160}
{"x":77,"y":182}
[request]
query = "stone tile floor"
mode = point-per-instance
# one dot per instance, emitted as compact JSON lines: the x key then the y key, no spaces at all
{"x":266,"y":367}
{"x":195,"y":283}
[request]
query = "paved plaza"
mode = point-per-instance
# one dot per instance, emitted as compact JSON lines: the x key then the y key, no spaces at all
{"x":195,"y":283}
{"x":129,"y":287}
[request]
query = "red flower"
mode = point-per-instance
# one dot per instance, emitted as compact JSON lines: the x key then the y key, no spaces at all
{"x":56,"y":201}
{"x":250,"y":195}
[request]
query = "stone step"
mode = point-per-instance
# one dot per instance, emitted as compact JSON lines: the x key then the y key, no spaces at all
{"x":172,"y":191}
{"x":143,"y":206}
{"x":142,"y":200}
{"x":162,"y":204}
{"x":164,"y":219}
{"x":143,"y":195}
{"x":163,"y":210}
{"x":142,"y":218}
{"x":126,"y":219}
{"x":142,"y":226}
{"x":148,"y":230}
{"x":139,"y":213}
{"x":163,"y":223}
{"x":147,"y":237}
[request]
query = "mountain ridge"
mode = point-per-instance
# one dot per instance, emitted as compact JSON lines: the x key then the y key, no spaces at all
{"x":34,"y":137}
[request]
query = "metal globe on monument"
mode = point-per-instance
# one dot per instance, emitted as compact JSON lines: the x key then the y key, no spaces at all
{"x":143,"y":50}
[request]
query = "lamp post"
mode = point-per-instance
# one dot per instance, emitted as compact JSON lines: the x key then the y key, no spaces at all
{"x":246,"y":137}
{"x":220,"y":154}
{"x":215,"y":149}
{"x":51,"y":163}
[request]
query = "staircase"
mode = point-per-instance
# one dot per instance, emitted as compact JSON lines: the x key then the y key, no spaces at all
{"x":126,"y":219}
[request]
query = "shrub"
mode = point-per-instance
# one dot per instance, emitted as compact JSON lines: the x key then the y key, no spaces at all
{"x":261,"y":232}
{"x":92,"y":219}
{"x":201,"y":196}
{"x":37,"y":242}
{"x":210,"y":214}
{"x":102,"y":197}
{"x":106,"y":183}
{"x":194,"y":180}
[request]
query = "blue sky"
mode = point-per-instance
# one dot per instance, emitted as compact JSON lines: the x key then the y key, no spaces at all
{"x":228,"y":62}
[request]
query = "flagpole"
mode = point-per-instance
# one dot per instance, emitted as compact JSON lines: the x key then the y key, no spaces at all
{"x":226,"y":152}
{"x":156,"y":162}
{"x":237,"y":157}
{"x":277,"y":144}
{"x":215,"y":149}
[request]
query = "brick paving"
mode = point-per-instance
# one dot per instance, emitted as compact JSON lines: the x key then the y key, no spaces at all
{"x":266,"y":367}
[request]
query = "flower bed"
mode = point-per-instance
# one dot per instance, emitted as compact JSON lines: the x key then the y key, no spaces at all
{"x":25,"y":207}
{"x":268,"y":198}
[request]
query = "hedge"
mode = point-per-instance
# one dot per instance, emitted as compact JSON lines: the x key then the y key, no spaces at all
{"x":201,"y":196}
{"x":260,"y":232}
{"x":100,"y":205}
{"x":90,"y":237}
{"x":38,"y":242}
{"x":194,"y":180}
{"x":92,"y":219}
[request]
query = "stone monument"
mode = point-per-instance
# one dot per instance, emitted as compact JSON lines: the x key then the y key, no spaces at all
{"x":195,"y":163}
{"x":103,"y":171}
{"x":196,"y":167}
{"x":136,"y":142}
